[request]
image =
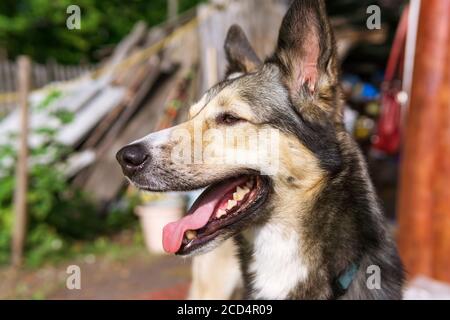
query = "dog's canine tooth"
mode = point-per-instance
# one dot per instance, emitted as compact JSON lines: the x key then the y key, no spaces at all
{"x":231,"y":204}
{"x":191,"y":234}
{"x":240,"y":193}
{"x":220,"y":213}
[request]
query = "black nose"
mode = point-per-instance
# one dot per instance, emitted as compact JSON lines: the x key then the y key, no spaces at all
{"x":131,"y":157}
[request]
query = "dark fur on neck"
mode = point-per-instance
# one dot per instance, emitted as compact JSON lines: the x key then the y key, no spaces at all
{"x":345,"y":226}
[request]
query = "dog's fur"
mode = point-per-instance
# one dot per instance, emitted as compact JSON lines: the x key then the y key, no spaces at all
{"x":321,"y":216}
{"x":211,"y":282}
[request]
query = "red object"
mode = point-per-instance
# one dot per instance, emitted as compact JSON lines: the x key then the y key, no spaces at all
{"x":388,"y":134}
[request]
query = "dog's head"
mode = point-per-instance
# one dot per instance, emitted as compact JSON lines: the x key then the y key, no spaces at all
{"x":260,"y":139}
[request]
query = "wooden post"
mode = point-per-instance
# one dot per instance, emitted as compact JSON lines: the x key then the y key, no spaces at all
{"x":172,"y":9}
{"x":424,"y":206}
{"x":441,"y":190}
{"x":211,"y":65}
{"x":20,"y":219}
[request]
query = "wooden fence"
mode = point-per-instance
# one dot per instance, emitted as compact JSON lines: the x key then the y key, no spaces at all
{"x":41,"y":74}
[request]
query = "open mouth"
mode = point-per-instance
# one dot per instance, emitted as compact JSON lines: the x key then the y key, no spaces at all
{"x":219,"y":207}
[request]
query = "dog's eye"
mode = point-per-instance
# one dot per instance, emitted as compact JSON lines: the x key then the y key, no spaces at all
{"x":228,"y":119}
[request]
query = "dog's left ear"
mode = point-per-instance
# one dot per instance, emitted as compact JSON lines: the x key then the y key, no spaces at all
{"x":306,"y":49}
{"x":240,"y":54}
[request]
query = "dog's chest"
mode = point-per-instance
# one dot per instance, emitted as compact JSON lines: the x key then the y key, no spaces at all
{"x":276,"y":264}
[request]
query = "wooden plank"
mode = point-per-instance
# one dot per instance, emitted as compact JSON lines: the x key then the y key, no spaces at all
{"x":75,"y":99}
{"x":156,"y":33}
{"x":131,"y":76}
{"x":183,"y":52}
{"x":89,"y":116}
{"x":20,"y":201}
{"x":82,"y":95}
{"x":126,"y":45}
{"x":78,"y":161}
{"x":112,"y":122}
{"x":105,"y":178}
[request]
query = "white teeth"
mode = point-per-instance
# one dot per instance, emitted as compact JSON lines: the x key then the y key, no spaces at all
{"x":231,"y":204}
{"x":237,"y":196}
{"x":240,"y":193}
{"x":220,"y":213}
{"x":191,"y":234}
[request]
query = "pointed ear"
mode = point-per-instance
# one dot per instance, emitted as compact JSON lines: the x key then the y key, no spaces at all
{"x":240,"y":54}
{"x":306,"y":49}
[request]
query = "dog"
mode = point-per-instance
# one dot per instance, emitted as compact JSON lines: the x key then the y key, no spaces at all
{"x":310,"y":227}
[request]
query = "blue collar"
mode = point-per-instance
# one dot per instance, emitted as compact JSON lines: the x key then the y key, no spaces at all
{"x":346,"y":278}
{"x":343,"y":282}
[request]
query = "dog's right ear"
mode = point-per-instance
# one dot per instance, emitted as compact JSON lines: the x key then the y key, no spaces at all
{"x":240,"y":54}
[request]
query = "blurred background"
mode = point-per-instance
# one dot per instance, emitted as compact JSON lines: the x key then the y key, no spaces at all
{"x":81,"y":78}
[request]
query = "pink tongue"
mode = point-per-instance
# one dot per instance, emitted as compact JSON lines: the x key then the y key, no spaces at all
{"x":198,"y":216}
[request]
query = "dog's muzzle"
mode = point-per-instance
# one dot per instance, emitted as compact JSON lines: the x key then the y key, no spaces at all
{"x":132,"y":158}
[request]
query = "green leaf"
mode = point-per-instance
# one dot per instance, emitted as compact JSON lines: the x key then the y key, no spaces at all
{"x":64,"y":116}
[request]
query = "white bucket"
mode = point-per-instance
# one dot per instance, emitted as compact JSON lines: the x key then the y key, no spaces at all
{"x":155,"y":216}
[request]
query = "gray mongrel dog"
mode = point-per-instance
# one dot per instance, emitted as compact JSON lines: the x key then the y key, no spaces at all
{"x":310,"y":231}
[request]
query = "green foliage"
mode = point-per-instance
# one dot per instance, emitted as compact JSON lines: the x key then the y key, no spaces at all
{"x":58,"y":213}
{"x":38,"y":27}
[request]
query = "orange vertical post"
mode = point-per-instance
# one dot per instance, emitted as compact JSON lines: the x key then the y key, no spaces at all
{"x":441,"y":190}
{"x":424,"y":203}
